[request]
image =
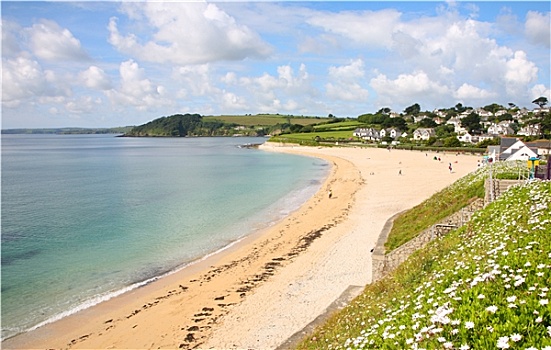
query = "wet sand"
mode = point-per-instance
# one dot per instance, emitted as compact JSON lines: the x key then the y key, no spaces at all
{"x":272,"y":284}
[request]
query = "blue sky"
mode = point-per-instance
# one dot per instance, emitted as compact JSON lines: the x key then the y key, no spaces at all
{"x":106,"y":64}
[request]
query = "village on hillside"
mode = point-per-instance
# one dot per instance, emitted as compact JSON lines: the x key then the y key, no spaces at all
{"x":506,"y":134}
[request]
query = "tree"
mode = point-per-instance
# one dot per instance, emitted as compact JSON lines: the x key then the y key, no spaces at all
{"x":543,"y":118}
{"x":413,"y":109}
{"x":427,"y":123}
{"x":494,"y":107}
{"x":472,"y":123}
{"x":540,"y":101}
{"x":451,"y":141}
{"x":443,"y":131}
{"x":459,"y":108}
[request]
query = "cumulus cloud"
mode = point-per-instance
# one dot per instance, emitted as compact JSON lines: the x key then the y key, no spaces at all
{"x":540,"y":90}
{"x":10,"y":40}
{"x":50,"y":42}
{"x":135,"y":89}
{"x":467,"y":92}
{"x":407,"y":88}
{"x":520,"y":72}
{"x":187,"y":33}
{"x":345,"y":82}
{"x":537,"y":28}
{"x":22,"y":78}
{"x":95,"y":78}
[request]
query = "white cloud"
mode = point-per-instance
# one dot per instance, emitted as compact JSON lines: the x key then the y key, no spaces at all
{"x":196,"y":80}
{"x":10,"y":40}
{"x":467,"y":92}
{"x":136,"y":90}
{"x":187,"y":33}
{"x":540,"y":90}
{"x":345,"y":82}
{"x":83,"y":104}
{"x":537,"y":28}
{"x":22,"y":78}
{"x":95,"y":78}
{"x":50,"y":42}
{"x":363,"y":27}
{"x":408,"y":88}
{"x":519,"y":73}
{"x":233,"y":102}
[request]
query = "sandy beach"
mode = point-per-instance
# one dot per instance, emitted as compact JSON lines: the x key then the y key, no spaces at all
{"x":264,"y":289}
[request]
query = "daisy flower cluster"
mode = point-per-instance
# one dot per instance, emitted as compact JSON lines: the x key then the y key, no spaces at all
{"x":483,"y":290}
{"x":483,"y":286}
{"x":448,"y":201}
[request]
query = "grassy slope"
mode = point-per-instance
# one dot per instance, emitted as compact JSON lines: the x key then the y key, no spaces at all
{"x":483,"y":286}
{"x":264,"y":119}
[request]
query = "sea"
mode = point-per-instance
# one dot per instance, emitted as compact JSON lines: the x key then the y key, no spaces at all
{"x":88,"y":217}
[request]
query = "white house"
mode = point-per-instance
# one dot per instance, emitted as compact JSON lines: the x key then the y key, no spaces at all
{"x":518,"y":151}
{"x":392,"y":132}
{"x":523,"y":153}
{"x":466,"y":137}
{"x":500,"y":129}
{"x":456,"y":122}
{"x":423,"y":134}
{"x":530,"y":130}
{"x":367,"y":134}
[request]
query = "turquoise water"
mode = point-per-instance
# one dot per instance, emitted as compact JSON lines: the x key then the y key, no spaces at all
{"x":86,"y":217}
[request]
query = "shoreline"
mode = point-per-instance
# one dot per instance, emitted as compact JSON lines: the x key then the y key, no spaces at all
{"x":204,"y":303}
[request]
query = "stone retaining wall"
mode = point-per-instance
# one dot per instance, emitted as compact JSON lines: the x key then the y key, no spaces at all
{"x":383,"y":263}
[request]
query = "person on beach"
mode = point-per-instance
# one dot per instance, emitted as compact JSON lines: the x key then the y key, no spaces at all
{"x":330,"y":194}
{"x":400,"y":172}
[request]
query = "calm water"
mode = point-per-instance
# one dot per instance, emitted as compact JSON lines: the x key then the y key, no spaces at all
{"x":86,"y":217}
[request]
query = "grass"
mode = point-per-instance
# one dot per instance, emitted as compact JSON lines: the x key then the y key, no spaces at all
{"x":483,"y":286}
{"x":265,"y":119}
{"x":325,"y":135}
{"x":448,"y":201}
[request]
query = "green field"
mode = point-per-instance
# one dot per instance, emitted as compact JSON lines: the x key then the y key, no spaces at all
{"x":265,"y":119}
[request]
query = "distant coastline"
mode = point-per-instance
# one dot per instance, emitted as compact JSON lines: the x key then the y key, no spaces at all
{"x":66,"y":131}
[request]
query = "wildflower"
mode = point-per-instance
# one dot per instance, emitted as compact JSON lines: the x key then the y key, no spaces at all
{"x":544,"y":301}
{"x":503,"y":342}
{"x":481,"y":296}
{"x":448,"y":345}
{"x":511,"y":299}
{"x":469,"y":325}
{"x":464,"y":347}
{"x":492,"y":309}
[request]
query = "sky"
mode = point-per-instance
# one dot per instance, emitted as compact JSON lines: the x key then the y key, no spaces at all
{"x":109,"y":64}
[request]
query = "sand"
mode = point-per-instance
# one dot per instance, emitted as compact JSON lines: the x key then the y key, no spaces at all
{"x":269,"y":286}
